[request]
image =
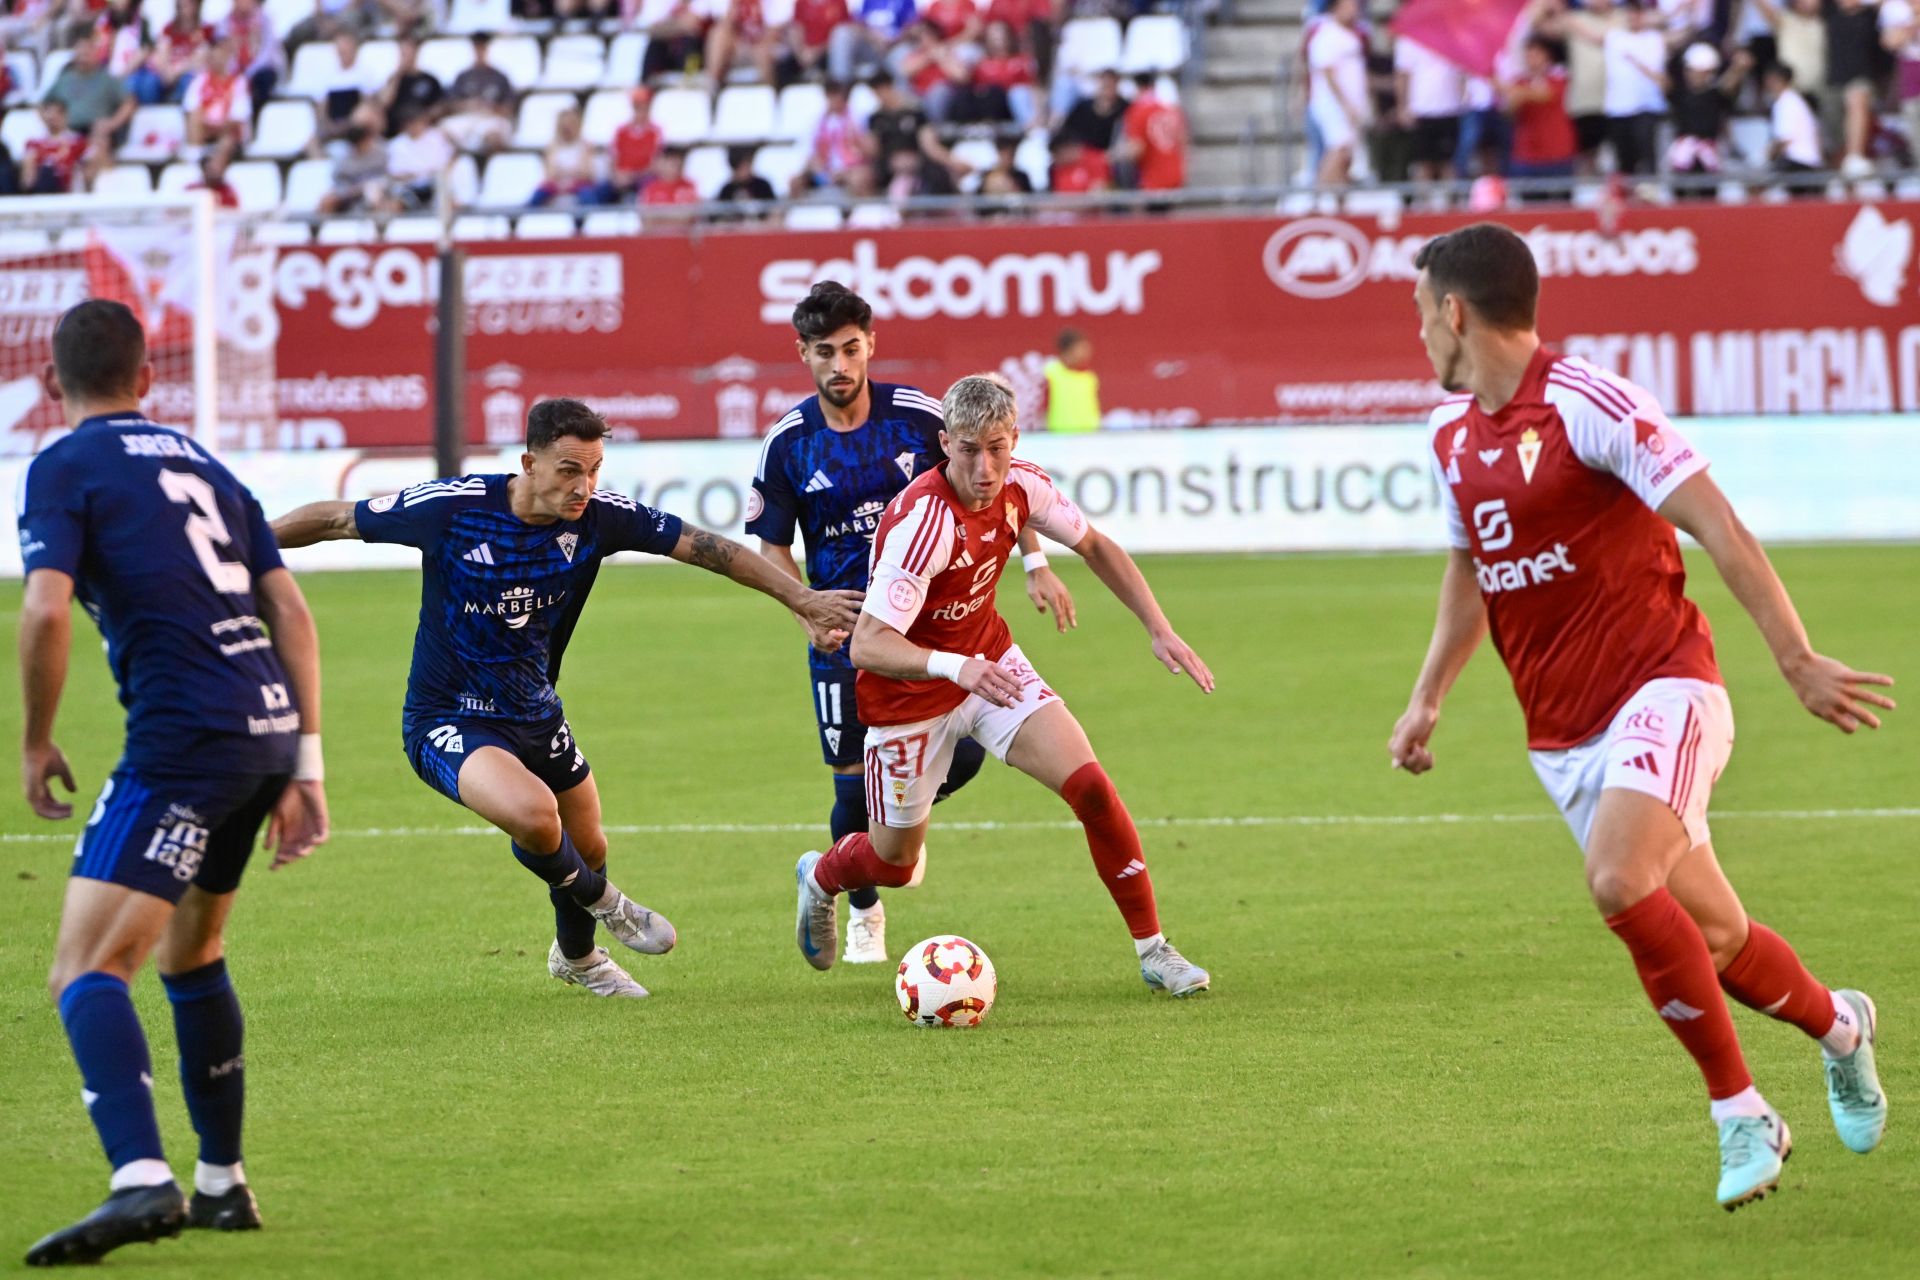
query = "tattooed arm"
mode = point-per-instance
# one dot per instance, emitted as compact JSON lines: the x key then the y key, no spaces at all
{"x":826,"y":610}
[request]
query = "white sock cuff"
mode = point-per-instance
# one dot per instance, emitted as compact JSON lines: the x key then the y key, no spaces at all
{"x":140,"y":1173}
{"x":1143,"y":945}
{"x":868,"y":913}
{"x":218,"y":1179}
{"x":1747,"y":1102}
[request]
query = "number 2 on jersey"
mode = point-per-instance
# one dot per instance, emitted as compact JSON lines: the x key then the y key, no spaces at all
{"x":206,"y":530}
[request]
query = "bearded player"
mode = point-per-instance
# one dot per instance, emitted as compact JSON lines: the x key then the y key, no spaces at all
{"x":937,"y":664}
{"x":1572,"y":481}
{"x":828,"y":469}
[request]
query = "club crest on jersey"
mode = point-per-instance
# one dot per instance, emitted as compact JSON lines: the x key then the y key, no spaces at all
{"x":905,"y":461}
{"x":568,"y":541}
{"x":1528,"y":451}
{"x":1647,"y":436}
{"x":383,"y":503}
{"x":833,"y":740}
{"x":1013,"y":517}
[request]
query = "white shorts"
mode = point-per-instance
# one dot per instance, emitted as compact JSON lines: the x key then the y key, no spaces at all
{"x":906,"y":763}
{"x":1336,"y":126}
{"x":1670,"y":741}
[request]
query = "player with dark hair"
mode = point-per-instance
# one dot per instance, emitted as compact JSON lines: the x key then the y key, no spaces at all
{"x":938,"y":665}
{"x":218,"y":667}
{"x":1563,"y":485}
{"x":508,"y":562}
{"x":828,"y":468}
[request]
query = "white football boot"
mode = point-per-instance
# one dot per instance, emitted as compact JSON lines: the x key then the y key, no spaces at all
{"x":1165,"y":969}
{"x":596,"y":972}
{"x":634,"y":925}
{"x":867,"y":936}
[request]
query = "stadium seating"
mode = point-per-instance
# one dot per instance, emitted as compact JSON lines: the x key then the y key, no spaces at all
{"x":606,"y":111}
{"x":256,"y":183}
{"x":1088,"y":45}
{"x":51,"y":67}
{"x":814,"y":217}
{"x":573,"y":62}
{"x":24,"y":70}
{"x":509,"y":180}
{"x":544,"y":226}
{"x":21,"y":126}
{"x":445,"y":57}
{"x":347,"y":231}
{"x":1154,"y":42}
{"x":412,"y":229}
{"x":124,"y":182}
{"x":284,"y":14}
{"x":625,"y":57}
{"x":779,"y":165}
{"x":538,"y":111}
{"x":285,"y":127}
{"x":307,"y":181}
{"x":283,"y":233}
{"x":19,"y":241}
{"x":482,"y":226}
{"x":611,"y":222}
{"x":464,"y":17}
{"x":518,"y":59}
{"x":176,"y":178}
{"x":744,"y":113}
{"x":707,"y":170}
{"x":685,"y":116}
{"x":155,"y":134}
{"x":801,"y":106}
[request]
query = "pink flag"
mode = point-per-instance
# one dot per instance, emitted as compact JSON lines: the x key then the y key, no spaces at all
{"x":1469,"y":33}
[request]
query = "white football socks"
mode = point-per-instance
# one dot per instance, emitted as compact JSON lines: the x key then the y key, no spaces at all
{"x":140,"y":1173}
{"x":868,"y":913}
{"x":1843,"y":1037}
{"x":1143,"y":945}
{"x":217,"y":1179}
{"x":1747,"y":1102}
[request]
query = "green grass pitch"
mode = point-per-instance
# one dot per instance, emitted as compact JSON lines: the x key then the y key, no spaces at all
{"x":1424,"y":1055}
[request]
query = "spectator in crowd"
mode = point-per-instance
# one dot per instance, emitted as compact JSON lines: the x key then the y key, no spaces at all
{"x":957,"y":22}
{"x":9,"y":171}
{"x":1035,"y":28}
{"x":968,"y":101}
{"x":128,"y":43}
{"x":1853,"y":50}
{"x":409,"y":90}
{"x":1799,"y":40}
{"x":1431,"y":93}
{"x":1545,"y":142}
{"x":213,"y":176}
{"x":811,"y":32}
{"x":1795,"y":129}
{"x":564,"y":12}
{"x":177,"y":51}
{"x":840,"y":144}
{"x":1636,"y":97}
{"x":911,"y":174}
{"x":1078,"y":169}
{"x":1152,"y":150}
{"x":677,"y":41}
{"x":1486,"y":136}
{"x":54,"y":161}
{"x":669,"y":188}
{"x":418,"y":158}
{"x":928,"y":67}
{"x":352,"y":81}
{"x":635,"y":143}
{"x":898,"y":123}
{"x":1005,"y":67}
{"x":1900,"y":36}
{"x":1337,"y":97}
{"x":1006,"y":177}
{"x":359,"y":173}
{"x":219,"y":104}
{"x":1703,"y":103}
{"x":745,"y":186}
{"x":742,"y":32}
{"x":256,"y":48}
{"x":330,"y":17}
{"x":480,"y":103}
{"x":860,"y":48}
{"x":572,"y":166}
{"x":1586,"y":73}
{"x":1073,"y":388}
{"x":97,"y":105}
{"x":1094,"y":122}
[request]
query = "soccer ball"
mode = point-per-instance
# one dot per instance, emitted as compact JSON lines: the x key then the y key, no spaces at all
{"x":945,"y":981}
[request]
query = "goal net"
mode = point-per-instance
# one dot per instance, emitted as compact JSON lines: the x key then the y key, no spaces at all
{"x":169,"y":258}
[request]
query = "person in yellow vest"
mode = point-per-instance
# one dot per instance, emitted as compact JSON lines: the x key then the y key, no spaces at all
{"x":1073,"y":388}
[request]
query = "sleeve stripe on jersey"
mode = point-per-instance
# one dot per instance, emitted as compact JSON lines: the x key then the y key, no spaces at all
{"x":793,"y":419}
{"x":1611,"y":396}
{"x":1606,"y":405}
{"x":442,"y":489}
{"x":913,"y":398}
{"x":925,"y":539}
{"x":612,"y":498}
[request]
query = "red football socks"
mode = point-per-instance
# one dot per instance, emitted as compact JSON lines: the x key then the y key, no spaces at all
{"x":1768,"y":976}
{"x":852,"y":864}
{"x":1677,"y":970}
{"x":1115,"y":845}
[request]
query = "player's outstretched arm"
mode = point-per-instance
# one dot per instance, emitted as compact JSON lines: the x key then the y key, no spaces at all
{"x":884,"y":651}
{"x":1112,"y":565}
{"x":1044,"y":587}
{"x":1828,"y":688}
{"x":1459,"y":625}
{"x":825,"y":610}
{"x":299,"y":821}
{"x":316,"y":522}
{"x":46,"y":631}
{"x":780,"y":556}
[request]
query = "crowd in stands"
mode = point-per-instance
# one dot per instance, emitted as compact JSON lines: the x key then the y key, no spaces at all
{"x":1635,"y":87}
{"x":650,"y":104}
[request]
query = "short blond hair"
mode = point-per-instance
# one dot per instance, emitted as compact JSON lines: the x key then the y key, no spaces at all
{"x":978,"y":404}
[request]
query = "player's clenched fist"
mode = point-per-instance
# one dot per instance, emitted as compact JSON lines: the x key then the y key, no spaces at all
{"x":1408,"y":746}
{"x":39,"y":766}
{"x":989,"y":680}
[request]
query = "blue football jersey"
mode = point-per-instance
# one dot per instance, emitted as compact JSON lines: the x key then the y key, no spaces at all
{"x":163,"y":545}
{"x":833,"y":485}
{"x":499,"y":597}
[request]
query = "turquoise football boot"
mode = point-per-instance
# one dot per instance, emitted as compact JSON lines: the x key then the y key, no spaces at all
{"x":1752,"y":1151}
{"x":1853,"y":1086}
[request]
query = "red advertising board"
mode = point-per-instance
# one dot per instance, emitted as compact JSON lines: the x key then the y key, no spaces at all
{"x":1811,"y":307}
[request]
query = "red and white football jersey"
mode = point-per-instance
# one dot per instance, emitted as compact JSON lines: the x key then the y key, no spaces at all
{"x":934,"y":566}
{"x":1556,"y":496}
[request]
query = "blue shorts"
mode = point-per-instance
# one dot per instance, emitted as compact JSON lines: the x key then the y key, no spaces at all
{"x":842,"y":736}
{"x":437,"y":750}
{"x":160,"y":834}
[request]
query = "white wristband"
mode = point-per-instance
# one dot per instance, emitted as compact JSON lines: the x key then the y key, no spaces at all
{"x":943,"y":665}
{"x":307,"y":766}
{"x":1034,"y":561}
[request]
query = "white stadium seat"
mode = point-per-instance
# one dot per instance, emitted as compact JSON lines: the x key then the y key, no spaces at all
{"x":158,"y":13}
{"x":1752,"y":138}
{"x":124,"y":182}
{"x":347,"y":231}
{"x":1088,"y":45}
{"x":573,"y":62}
{"x":625,"y":56}
{"x":315,"y":64}
{"x":464,"y":17}
{"x":412,"y":229}
{"x":214,"y":11}
{"x":538,"y":111}
{"x":155,"y":133}
{"x":1155,"y":42}
{"x":611,"y":222}
{"x":863,"y":102}
{"x":381,"y":58}
{"x":307,"y":181}
{"x":21,"y":126}
{"x":685,"y":116}
{"x":283,"y":233}
{"x":50,"y":68}
{"x":509,"y":180}
{"x":517,"y":58}
{"x":873,"y":215}
{"x":257,"y":183}
{"x":779,"y":165}
{"x":25,"y":70}
{"x":1034,"y":159}
{"x":463,"y":180}
{"x":814,"y":217}
{"x":176,"y":178}
{"x":283,"y":131}
{"x":283,"y":14}
{"x":979,"y":155}
{"x":446,"y":57}
{"x":708,"y":171}
{"x":801,"y":106}
{"x":545,"y":226}
{"x":1384,"y":206}
{"x":72,"y":239}
{"x":477,"y":226}
{"x":652,"y":13}
{"x":606,"y":111}
{"x":744,"y":113}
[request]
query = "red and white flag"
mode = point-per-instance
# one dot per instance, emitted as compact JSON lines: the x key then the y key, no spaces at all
{"x":1468,"y":33}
